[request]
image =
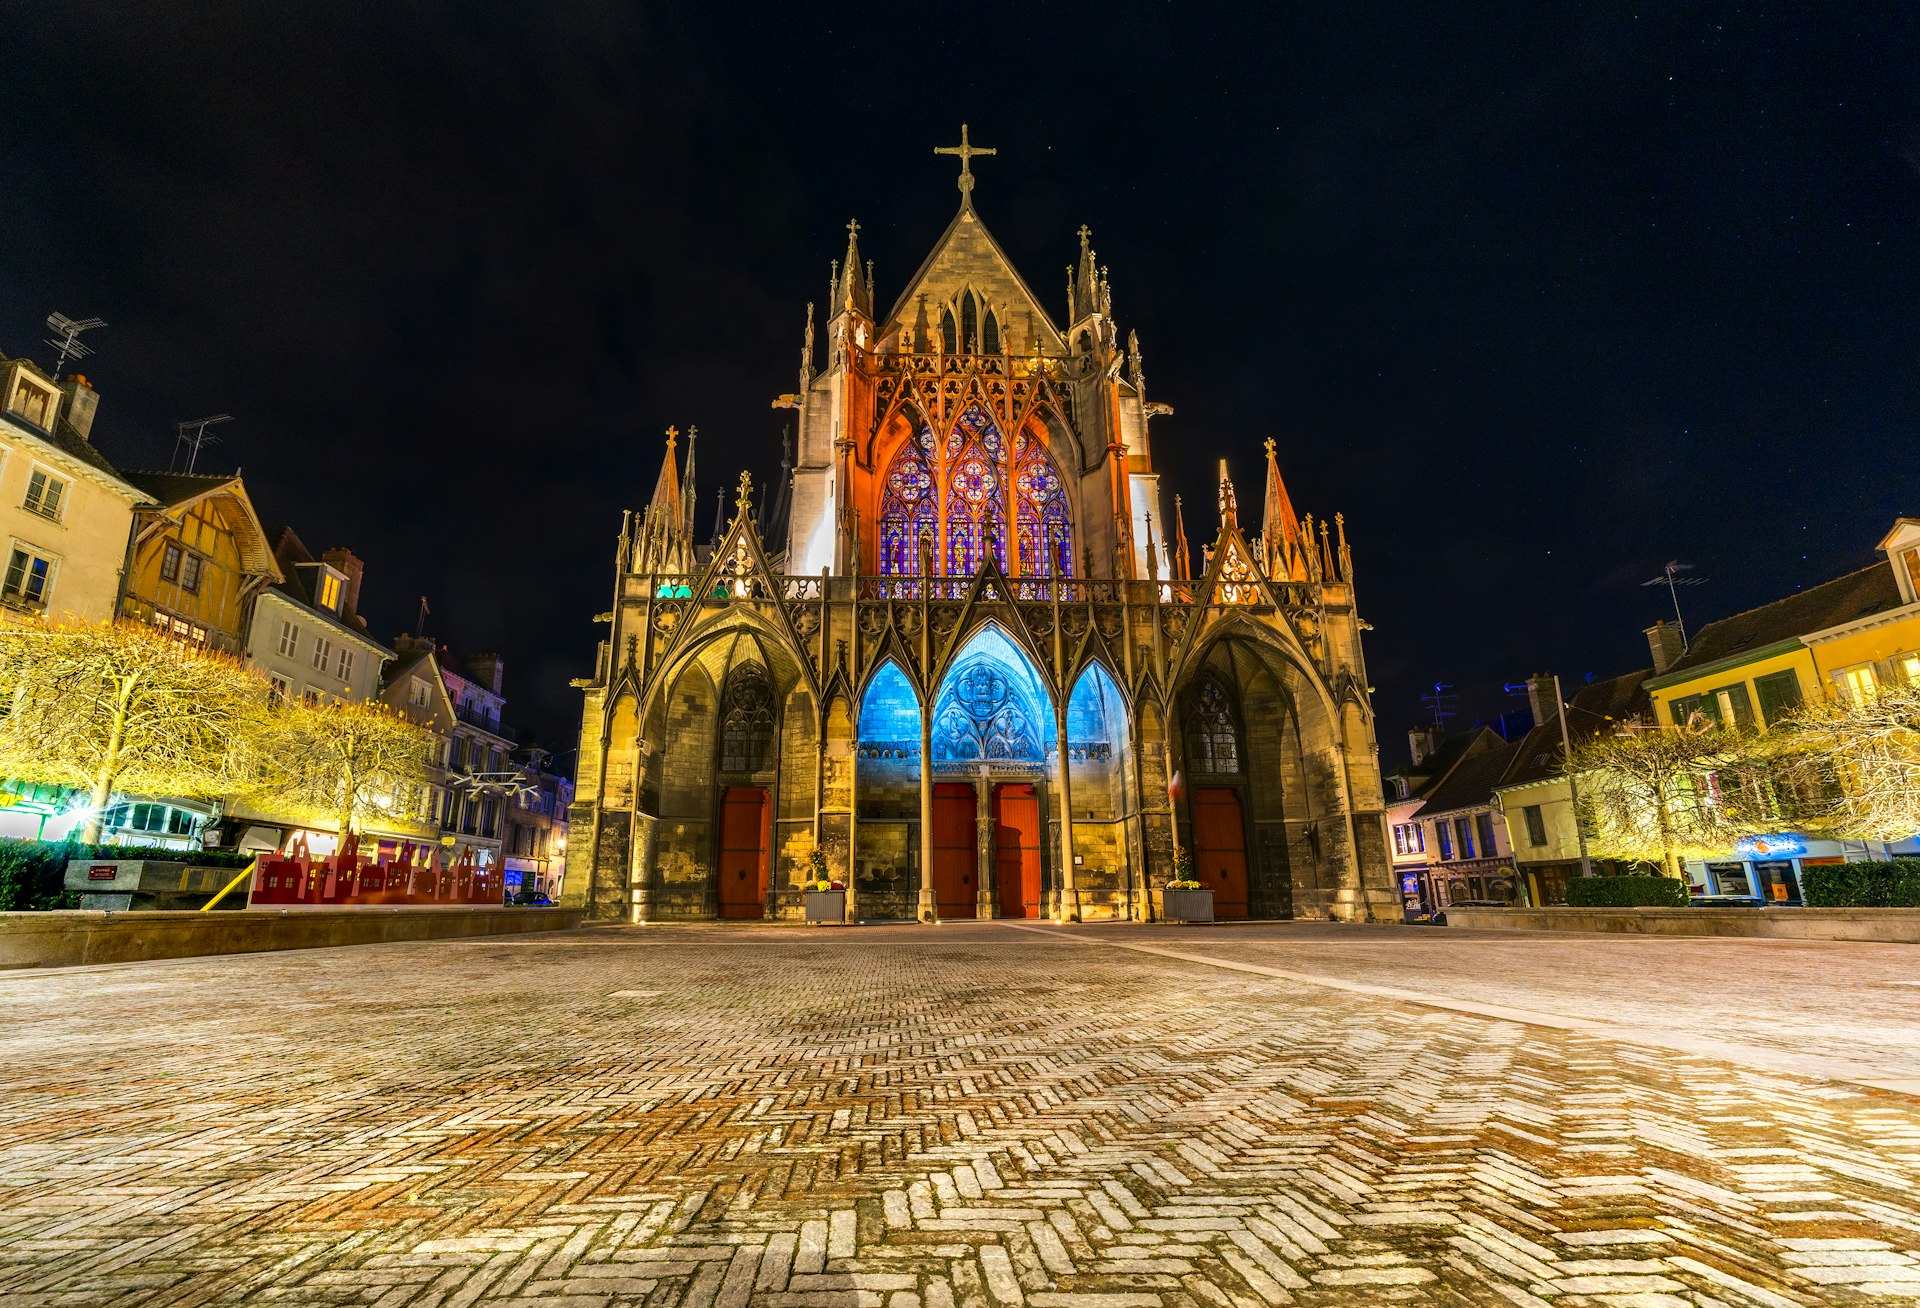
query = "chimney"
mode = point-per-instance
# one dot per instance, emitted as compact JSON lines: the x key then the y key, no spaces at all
{"x":82,"y":400}
{"x":487,"y":669}
{"x":349,"y":563}
{"x":406,"y":645}
{"x":1667,"y":644}
{"x":1541,"y":699}
{"x":1423,"y":741}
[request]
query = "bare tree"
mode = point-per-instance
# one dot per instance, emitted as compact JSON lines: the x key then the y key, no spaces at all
{"x":1856,"y":763}
{"x":1651,"y":794}
{"x":349,"y":763}
{"x":119,"y":706}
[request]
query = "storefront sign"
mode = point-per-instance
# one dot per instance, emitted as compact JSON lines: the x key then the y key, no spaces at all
{"x":1784,"y":845}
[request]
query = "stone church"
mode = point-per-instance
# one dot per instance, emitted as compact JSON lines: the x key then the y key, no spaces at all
{"x":965,"y":648}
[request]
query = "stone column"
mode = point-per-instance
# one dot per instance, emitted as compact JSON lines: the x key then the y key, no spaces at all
{"x":986,"y":891}
{"x":1069,"y":906}
{"x":928,"y":910}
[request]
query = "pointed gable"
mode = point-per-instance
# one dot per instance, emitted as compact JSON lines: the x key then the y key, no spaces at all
{"x":966,"y":255}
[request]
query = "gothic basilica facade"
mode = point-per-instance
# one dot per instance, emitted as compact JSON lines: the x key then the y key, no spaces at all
{"x":965,"y":650}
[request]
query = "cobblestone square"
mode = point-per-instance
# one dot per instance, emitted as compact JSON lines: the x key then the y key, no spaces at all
{"x":965,"y":1116}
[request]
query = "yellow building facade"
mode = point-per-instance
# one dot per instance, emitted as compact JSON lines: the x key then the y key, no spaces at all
{"x":1851,"y":636}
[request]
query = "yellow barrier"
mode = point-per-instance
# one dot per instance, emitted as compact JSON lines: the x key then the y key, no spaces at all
{"x":245,"y":872}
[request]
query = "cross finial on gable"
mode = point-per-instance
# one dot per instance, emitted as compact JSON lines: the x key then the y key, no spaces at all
{"x":745,"y":501}
{"x":853,"y":225}
{"x":673,"y":434}
{"x":1270,"y":447}
{"x":1085,"y":233}
{"x":966,"y":150}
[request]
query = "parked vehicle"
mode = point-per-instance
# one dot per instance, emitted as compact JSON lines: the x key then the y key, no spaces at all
{"x":529,"y":899}
{"x":1729,"y":901}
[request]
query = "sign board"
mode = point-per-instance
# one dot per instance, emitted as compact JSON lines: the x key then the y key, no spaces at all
{"x":103,"y":872}
{"x":1785,"y":844}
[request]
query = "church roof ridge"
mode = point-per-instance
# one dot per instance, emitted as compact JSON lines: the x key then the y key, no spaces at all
{"x":968,"y":213}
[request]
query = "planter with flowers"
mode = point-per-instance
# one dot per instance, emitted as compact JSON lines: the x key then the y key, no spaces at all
{"x":825,"y":899}
{"x":1185,"y":898}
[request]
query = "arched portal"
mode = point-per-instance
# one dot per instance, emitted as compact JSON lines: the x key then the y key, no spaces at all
{"x":993,"y":742}
{"x":1266,"y":803}
{"x":887,"y":763}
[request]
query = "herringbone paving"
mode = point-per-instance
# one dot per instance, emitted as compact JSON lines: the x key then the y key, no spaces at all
{"x":961,"y":1117}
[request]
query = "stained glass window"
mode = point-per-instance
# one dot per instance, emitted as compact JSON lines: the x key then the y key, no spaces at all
{"x":907,"y":509}
{"x":1046,"y":538}
{"x":746,"y":719}
{"x":1213,"y":736}
{"x":964,"y":479}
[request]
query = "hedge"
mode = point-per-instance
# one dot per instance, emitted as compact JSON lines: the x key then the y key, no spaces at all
{"x":1895,"y":884}
{"x":1626,"y":892}
{"x":33,"y":873}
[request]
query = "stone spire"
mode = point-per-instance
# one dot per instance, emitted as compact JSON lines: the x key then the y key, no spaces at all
{"x":1229,"y":502}
{"x":686,"y":487}
{"x":719,"y":513}
{"x":665,"y":542}
{"x":1280,"y":542}
{"x":1177,"y":543}
{"x":855,"y":292}
{"x":1085,"y":284}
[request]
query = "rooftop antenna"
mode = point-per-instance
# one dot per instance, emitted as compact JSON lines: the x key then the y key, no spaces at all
{"x":1440,"y":704}
{"x":1670,"y":578}
{"x":66,"y":338}
{"x":193,"y":434}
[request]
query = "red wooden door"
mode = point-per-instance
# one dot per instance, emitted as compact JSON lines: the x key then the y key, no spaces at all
{"x":955,"y":833}
{"x":1016,"y":851}
{"x":1220,"y":849}
{"x":745,"y":819}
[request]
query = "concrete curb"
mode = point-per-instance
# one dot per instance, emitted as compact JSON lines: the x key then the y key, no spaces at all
{"x":78,"y":938}
{"x":1892,"y":926}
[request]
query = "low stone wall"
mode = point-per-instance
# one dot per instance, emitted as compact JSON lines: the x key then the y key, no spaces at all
{"x":1886,"y":925}
{"x":68,"y":939}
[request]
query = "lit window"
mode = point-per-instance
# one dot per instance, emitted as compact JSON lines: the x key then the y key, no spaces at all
{"x":28,"y":577}
{"x":45,"y":493}
{"x":1909,"y":665}
{"x":1859,"y":684}
{"x":1399,"y":839}
{"x":345,"y":666}
{"x":322,"y":652}
{"x":34,"y":403}
{"x":329,"y":597}
{"x":289,"y":638}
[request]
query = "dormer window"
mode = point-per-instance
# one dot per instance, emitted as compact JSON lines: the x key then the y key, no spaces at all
{"x":33,"y":399}
{"x":1902,"y":548}
{"x":327,"y":591}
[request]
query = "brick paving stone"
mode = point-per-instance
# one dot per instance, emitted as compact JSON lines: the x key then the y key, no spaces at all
{"x":961,"y":1117}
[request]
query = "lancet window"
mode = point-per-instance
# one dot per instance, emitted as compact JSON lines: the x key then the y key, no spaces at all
{"x":975,"y":498}
{"x":908,"y":508}
{"x":1046,"y":534}
{"x":746,"y":719}
{"x":1213,"y":732}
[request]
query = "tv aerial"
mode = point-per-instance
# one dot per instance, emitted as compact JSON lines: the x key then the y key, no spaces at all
{"x":193,"y":434}
{"x":66,"y":338}
{"x":1440,"y":703}
{"x":1670,"y":577}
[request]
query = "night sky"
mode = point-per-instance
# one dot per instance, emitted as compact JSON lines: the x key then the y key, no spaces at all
{"x":1539,"y":296}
